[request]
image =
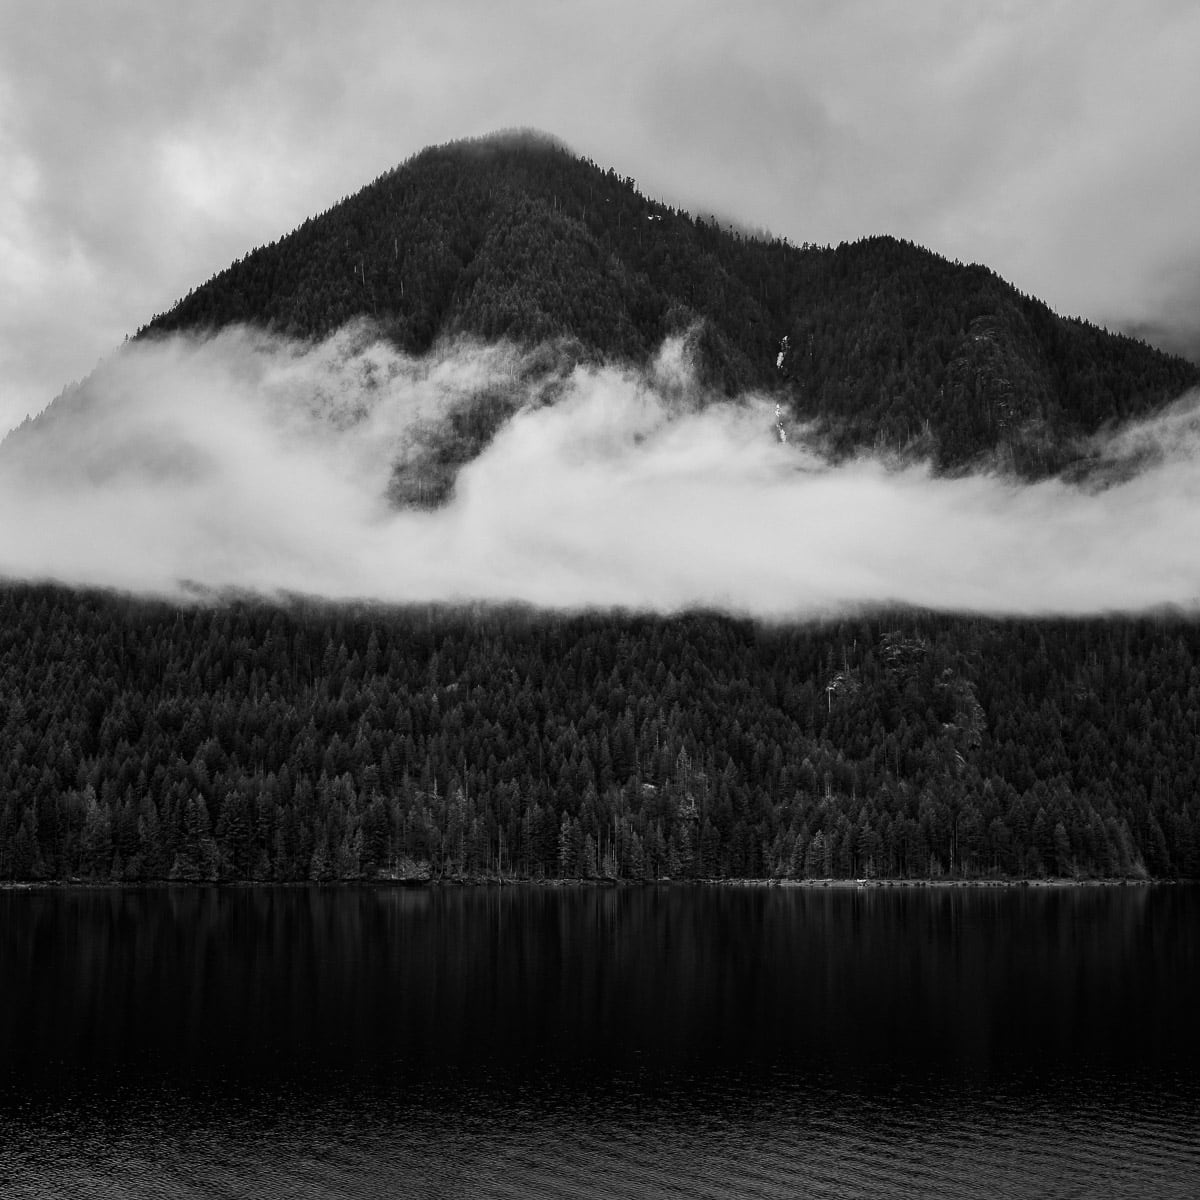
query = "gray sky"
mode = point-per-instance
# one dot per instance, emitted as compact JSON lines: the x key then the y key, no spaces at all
{"x":144,"y":146}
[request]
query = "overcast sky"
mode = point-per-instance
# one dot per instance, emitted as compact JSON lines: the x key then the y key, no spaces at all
{"x":144,"y":146}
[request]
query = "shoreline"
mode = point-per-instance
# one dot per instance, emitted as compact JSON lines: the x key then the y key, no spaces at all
{"x":421,"y":884}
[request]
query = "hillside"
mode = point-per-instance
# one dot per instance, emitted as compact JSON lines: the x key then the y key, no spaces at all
{"x":139,"y":741}
{"x":889,"y":345}
{"x":246,"y":733}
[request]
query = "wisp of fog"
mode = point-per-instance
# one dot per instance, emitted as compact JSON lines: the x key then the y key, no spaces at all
{"x":247,"y":462}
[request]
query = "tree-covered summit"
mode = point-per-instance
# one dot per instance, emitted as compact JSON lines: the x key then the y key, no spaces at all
{"x":516,"y":237}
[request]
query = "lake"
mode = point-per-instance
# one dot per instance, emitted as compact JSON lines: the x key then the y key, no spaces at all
{"x":634,"y":1042}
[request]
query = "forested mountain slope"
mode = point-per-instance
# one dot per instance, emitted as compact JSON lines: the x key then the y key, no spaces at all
{"x":892,"y":346}
{"x":281,"y":740}
{"x":141,"y":741}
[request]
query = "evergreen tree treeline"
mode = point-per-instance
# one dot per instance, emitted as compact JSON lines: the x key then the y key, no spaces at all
{"x":140,"y":741}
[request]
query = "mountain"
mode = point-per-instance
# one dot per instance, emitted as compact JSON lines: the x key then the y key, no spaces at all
{"x":888,"y":345}
{"x":285,"y":740}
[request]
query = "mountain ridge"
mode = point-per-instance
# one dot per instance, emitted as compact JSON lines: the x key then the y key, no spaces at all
{"x":887,"y":345}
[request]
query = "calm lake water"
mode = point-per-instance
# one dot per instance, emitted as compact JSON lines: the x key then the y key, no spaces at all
{"x":631,"y":1043}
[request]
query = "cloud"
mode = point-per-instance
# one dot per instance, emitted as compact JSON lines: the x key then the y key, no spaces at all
{"x":146,"y":148}
{"x":247,"y":462}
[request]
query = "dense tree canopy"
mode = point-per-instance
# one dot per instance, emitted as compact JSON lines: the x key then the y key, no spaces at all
{"x":144,"y":741}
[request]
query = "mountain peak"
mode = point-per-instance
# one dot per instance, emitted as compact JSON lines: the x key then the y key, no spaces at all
{"x":513,"y":236}
{"x":516,"y":137}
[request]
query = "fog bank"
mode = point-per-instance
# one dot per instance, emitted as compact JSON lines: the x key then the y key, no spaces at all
{"x":247,"y":462}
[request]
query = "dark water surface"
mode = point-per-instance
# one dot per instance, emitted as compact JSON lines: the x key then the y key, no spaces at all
{"x":627,"y":1043}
